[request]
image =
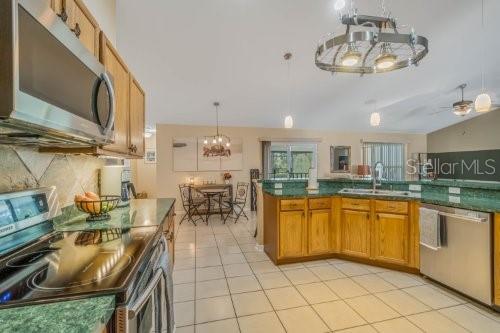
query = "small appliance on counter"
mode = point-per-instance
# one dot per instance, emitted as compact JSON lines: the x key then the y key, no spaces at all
{"x":117,"y":180}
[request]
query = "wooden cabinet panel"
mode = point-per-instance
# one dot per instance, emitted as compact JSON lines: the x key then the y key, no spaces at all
{"x":115,"y":65}
{"x":292,"y":204}
{"x":391,"y":238}
{"x":79,"y":19}
{"x":496,"y":241}
{"x":320,"y":203}
{"x":355,"y":227}
{"x":170,"y":235}
{"x":137,"y":110}
{"x":356,"y":204}
{"x":388,"y":206}
{"x":319,"y":233}
{"x":292,"y":234}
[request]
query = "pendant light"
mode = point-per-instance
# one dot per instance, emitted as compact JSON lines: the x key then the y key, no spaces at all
{"x":218,"y":144}
{"x":375,"y":119}
{"x":375,"y":116}
{"x":289,"y":118}
{"x":483,"y":100}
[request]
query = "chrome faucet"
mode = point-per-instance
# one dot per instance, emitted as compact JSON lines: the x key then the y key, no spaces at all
{"x":377,"y":176}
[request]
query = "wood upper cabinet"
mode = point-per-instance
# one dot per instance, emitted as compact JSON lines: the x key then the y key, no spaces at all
{"x":80,"y":21}
{"x":390,"y":238}
{"x":121,"y":82}
{"x":137,"y":113}
{"x":292,"y":234}
{"x":319,"y":231}
{"x":355,"y":226}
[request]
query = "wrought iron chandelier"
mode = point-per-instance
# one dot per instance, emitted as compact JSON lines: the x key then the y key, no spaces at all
{"x":369,"y":45}
{"x":218,"y":144}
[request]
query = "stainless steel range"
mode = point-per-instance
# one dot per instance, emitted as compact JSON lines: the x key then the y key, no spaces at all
{"x":39,"y":265}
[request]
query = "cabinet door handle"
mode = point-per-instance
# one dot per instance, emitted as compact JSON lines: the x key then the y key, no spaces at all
{"x":368,"y":215}
{"x":63,"y":15}
{"x":170,"y":236}
{"x":77,"y":30}
{"x":378,"y":216}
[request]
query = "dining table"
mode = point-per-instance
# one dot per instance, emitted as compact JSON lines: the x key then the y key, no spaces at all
{"x":214,"y":193}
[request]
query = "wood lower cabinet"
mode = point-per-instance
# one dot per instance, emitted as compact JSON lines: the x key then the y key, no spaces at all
{"x":372,"y":231}
{"x":496,"y":240}
{"x":121,"y":76}
{"x":170,"y":236}
{"x":80,"y":21}
{"x":292,"y":234}
{"x":355,"y":239}
{"x":390,"y":238}
{"x":319,"y":231}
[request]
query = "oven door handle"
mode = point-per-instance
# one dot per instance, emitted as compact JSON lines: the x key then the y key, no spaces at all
{"x":134,"y":308}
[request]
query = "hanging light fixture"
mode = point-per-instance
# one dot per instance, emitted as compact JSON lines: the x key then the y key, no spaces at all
{"x":462,"y":107}
{"x":375,"y":119}
{"x":289,"y":118}
{"x":218,"y":144}
{"x":374,"y":116}
{"x":354,"y":51}
{"x":483,"y":100}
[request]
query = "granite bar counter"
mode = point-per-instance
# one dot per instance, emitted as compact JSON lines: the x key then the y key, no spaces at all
{"x":473,"y":195}
{"x":78,"y":316}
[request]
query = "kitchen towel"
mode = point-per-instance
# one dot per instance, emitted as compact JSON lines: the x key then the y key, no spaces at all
{"x":429,"y":228}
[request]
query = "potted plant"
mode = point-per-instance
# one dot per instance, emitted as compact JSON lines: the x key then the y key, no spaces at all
{"x":227,"y":177}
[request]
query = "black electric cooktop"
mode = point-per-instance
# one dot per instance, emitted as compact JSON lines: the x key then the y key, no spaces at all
{"x":75,"y":264}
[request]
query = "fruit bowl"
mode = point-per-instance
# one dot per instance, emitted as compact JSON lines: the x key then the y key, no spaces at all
{"x":98,"y":210}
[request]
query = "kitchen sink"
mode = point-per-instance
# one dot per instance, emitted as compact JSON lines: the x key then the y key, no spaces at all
{"x":364,"y":191}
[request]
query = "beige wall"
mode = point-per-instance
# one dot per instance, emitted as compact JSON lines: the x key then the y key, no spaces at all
{"x":165,"y":184}
{"x":479,"y":133}
{"x":104,"y":12}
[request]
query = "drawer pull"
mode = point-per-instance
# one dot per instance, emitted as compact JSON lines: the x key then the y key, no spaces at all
{"x":77,"y":30}
{"x":63,"y":15}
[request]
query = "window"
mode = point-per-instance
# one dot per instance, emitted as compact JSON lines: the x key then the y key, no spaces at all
{"x":290,"y":160}
{"x":392,"y":156}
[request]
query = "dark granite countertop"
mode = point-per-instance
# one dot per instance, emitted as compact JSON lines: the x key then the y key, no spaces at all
{"x":140,"y":213}
{"x":79,"y":316}
{"x":437,"y":182}
{"x":88,"y":314}
{"x":459,"y":201}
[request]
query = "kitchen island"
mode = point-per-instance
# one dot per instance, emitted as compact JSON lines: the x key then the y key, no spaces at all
{"x":383,"y":230}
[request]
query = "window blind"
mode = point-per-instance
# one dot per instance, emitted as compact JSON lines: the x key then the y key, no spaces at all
{"x":392,"y":156}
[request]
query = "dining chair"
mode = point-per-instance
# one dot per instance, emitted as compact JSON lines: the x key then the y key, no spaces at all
{"x":239,"y":202}
{"x":190,"y":204}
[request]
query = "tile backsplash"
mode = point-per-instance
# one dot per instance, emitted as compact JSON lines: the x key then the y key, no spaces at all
{"x":22,"y":168}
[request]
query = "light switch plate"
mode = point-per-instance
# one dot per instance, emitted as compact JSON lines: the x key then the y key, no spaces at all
{"x":454,"y":190}
{"x":278,"y":185}
{"x":454,"y":199}
{"x":278,"y":192}
{"x":416,"y":188}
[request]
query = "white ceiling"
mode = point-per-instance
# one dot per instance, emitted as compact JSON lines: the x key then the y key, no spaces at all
{"x":188,"y":53}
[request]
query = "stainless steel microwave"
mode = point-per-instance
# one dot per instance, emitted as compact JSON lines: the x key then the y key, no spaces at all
{"x":53,"y":91}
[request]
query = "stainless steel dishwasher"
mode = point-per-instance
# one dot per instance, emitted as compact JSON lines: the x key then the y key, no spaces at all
{"x":463,"y":260}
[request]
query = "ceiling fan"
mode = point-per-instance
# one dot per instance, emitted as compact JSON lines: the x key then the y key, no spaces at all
{"x":463,"y":107}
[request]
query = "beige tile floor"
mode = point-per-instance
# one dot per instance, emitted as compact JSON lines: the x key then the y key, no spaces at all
{"x":224,"y":284}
